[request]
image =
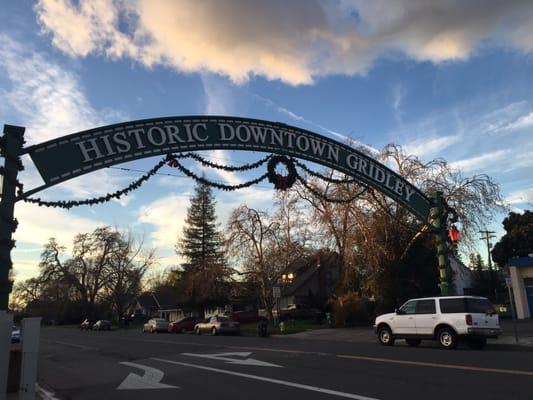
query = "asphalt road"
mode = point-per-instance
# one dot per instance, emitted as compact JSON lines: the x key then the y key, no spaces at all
{"x":131,"y":365}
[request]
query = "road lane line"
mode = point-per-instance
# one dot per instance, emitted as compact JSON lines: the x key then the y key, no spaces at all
{"x":78,"y":346}
{"x":435,"y":365}
{"x":268,"y":349}
{"x":270,"y":380}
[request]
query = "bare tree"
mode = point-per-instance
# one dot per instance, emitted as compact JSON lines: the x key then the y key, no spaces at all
{"x":250,"y":233}
{"x":126,"y":269}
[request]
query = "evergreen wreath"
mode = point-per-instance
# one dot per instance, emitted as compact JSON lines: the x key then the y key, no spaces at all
{"x":281,"y":182}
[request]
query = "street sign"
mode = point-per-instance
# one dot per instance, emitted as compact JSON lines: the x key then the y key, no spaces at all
{"x":276,"y":292}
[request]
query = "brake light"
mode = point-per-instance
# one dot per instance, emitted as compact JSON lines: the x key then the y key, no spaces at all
{"x":468,"y":319}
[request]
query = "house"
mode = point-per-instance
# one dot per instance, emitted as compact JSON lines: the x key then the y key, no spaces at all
{"x":158,"y":305}
{"x":310,"y":281}
{"x":521,"y":270}
{"x":463,"y":277}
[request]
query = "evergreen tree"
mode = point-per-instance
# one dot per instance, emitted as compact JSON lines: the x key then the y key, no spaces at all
{"x":205,"y":274}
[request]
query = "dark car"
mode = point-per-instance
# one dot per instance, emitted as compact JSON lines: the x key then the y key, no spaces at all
{"x":245,"y":317}
{"x":87,"y":324}
{"x":102,"y":325}
{"x":183,"y":325}
{"x":297,"y":311}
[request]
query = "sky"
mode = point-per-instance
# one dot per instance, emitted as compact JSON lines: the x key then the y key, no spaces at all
{"x":443,"y":78}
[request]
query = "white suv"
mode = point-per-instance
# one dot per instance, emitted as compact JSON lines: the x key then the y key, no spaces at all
{"x":445,"y":319}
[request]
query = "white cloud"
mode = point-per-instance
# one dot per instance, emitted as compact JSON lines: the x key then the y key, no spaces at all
{"x":484,"y":161}
{"x":428,"y":147}
{"x":520,"y":197}
{"x":50,"y":102}
{"x":167,"y":214}
{"x":47,"y":99}
{"x":293,"y":41}
{"x":524,"y":121}
{"x":38,"y":224}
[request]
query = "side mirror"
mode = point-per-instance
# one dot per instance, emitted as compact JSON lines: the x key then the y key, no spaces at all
{"x":398,"y":311}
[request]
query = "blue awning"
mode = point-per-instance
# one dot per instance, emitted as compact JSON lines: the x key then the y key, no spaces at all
{"x":521,"y":262}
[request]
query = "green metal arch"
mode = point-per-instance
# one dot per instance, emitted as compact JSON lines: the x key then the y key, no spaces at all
{"x":83,"y":152}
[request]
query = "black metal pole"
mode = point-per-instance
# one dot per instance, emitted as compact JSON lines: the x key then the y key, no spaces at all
{"x":439,"y":218}
{"x":10,"y":146}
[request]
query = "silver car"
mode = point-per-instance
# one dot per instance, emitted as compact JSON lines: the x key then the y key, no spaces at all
{"x":217,"y":324}
{"x":156,"y":325}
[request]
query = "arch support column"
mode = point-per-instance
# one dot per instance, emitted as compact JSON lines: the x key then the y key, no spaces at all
{"x":10,"y":148}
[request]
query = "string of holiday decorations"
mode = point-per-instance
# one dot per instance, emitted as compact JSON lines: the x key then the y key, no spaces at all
{"x":317,"y":193}
{"x":172,"y":161}
{"x":323,"y":177}
{"x":102,"y":199}
{"x":207,"y":163}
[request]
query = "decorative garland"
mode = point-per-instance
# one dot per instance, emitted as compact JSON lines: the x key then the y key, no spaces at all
{"x":172,"y":161}
{"x":327,"y":198}
{"x":281,"y":182}
{"x":115,"y":195}
{"x":323,"y":177}
{"x":207,"y":163}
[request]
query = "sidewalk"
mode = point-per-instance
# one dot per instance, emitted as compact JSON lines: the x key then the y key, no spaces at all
{"x":367,"y":335}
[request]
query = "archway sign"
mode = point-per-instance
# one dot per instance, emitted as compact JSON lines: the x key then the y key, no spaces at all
{"x":80,"y":153}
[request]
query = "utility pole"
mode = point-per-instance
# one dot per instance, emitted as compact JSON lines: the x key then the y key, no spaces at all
{"x":487,"y":235}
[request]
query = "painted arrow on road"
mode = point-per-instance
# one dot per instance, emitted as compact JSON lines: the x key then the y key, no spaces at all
{"x":244,"y":360}
{"x":150,"y":380}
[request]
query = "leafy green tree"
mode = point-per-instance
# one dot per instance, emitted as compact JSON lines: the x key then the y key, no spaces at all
{"x":518,"y":239}
{"x":205,"y":273}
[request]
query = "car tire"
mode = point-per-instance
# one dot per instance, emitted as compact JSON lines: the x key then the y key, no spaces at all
{"x":447,"y":338}
{"x":214,"y":331}
{"x":152,"y":329}
{"x":198,"y":331}
{"x":413,"y":342}
{"x":476,"y":343}
{"x":385,"y":336}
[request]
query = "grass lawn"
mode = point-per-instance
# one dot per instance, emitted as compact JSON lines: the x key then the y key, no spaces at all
{"x":291,"y":326}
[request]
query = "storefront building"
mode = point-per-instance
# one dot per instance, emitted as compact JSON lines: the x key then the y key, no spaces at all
{"x":522,"y":282}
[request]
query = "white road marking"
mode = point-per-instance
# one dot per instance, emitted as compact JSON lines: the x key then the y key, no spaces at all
{"x":270,"y":380}
{"x":44,"y":394}
{"x":150,"y":380}
{"x":77,"y":346}
{"x":242,"y":361}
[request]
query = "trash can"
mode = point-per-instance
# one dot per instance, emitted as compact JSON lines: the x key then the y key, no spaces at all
{"x":13,"y":375}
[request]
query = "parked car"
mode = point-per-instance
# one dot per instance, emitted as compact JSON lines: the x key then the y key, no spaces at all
{"x":15,"y":334}
{"x":297,"y":311}
{"x":102,"y":325}
{"x":445,"y":319}
{"x":87,"y":324}
{"x":156,"y":325}
{"x":183,"y":325}
{"x":217,"y":324}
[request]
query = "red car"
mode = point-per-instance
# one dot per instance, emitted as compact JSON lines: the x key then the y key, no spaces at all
{"x":183,"y":325}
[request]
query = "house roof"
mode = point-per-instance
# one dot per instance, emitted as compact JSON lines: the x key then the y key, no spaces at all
{"x":306,"y":268}
{"x":147,"y":300}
